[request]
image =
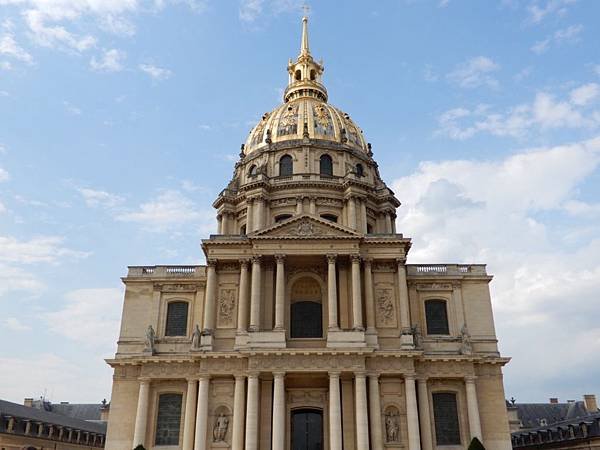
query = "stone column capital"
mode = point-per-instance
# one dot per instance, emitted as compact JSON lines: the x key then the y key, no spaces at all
{"x":410,"y":376}
{"x":422,"y":379}
{"x":374,"y":375}
{"x":192,"y":381}
{"x":280,"y":258}
{"x":256,"y":259}
{"x":470,"y":378}
{"x":279,"y":374}
{"x":211,"y":262}
{"x":244,"y":262}
{"x":334,"y":373}
{"x":401,"y":261}
{"x":331,"y":258}
{"x":368,"y":261}
{"x":239,"y":376}
{"x":355,"y":258}
{"x":360,"y":374}
{"x":144,"y":380}
{"x":253,"y":375}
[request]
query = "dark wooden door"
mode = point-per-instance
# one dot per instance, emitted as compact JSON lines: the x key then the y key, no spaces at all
{"x":307,"y":429}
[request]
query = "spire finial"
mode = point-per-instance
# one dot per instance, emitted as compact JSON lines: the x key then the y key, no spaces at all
{"x":304,"y":50}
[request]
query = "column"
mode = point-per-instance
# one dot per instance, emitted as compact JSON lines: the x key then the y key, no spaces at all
{"x":279,"y":292}
{"x":357,"y":322}
{"x":255,"y":295}
{"x":225,"y":223}
{"x":259,"y":220}
{"x":237,"y":438}
{"x":335,"y":413}
{"x":249,"y":215}
{"x":363,"y":215}
{"x":189,"y":419}
{"x":242,"y":319}
{"x":202,"y":413}
{"x":299,"y":205}
{"x":388,"y":223}
{"x":313,"y":205}
{"x":352,"y":213}
{"x":424,"y":417}
{"x":211,"y":287}
{"x":252,"y":413}
{"x":375,"y":423}
{"x":369,"y":301}
{"x":279,"y":413}
{"x":141,"y":415}
{"x":473,"y":408}
{"x":332,"y":306}
{"x":219,"y":224}
{"x":404,"y":303}
{"x":362,"y":428}
{"x":412,"y":416}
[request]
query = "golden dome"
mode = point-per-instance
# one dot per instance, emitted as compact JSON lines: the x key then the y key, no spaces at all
{"x":305,"y":117}
{"x":305,"y":113}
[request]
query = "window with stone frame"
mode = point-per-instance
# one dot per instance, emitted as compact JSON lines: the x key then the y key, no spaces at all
{"x":326,"y":165}
{"x":177,"y":318}
{"x":306,"y":309}
{"x":436,"y":316}
{"x":286,"y":166}
{"x":445,"y":413}
{"x":168,"y":420}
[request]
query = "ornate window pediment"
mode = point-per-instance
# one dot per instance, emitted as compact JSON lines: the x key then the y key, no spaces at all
{"x":307,"y":226}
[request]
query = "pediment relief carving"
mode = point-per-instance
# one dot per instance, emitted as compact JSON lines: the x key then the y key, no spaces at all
{"x":306,"y":226}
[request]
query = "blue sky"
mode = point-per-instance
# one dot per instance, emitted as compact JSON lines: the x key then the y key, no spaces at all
{"x":120,"y":121}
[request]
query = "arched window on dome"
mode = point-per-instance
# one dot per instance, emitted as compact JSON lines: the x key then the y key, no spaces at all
{"x":313,"y":75}
{"x":286,"y":166}
{"x":360,"y":170}
{"x":326,"y":165}
{"x":253,"y":171}
{"x":298,"y":75}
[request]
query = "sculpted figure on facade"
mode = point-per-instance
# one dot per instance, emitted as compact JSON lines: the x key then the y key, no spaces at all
{"x":385,"y":307}
{"x":466,"y":347}
{"x":417,"y":337}
{"x":220,"y":428}
{"x":392,"y":426}
{"x":226,"y":306}
{"x":150,"y":340}
{"x":196,"y":334}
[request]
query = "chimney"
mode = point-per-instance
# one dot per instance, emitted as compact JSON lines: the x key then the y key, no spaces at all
{"x":591,"y":405}
{"x":29,"y":402}
{"x":553,"y":400}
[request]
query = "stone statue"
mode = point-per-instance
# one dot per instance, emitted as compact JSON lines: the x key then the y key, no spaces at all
{"x":196,"y":338}
{"x":391,"y":427}
{"x":150,"y":340}
{"x":220,"y":428}
{"x":417,"y":336}
{"x":466,"y":347}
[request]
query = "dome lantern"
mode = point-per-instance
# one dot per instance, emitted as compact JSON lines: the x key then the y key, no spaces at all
{"x":305,"y":74}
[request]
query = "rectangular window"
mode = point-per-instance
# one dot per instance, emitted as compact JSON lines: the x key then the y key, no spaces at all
{"x":436,"y":317}
{"x":168,"y":420}
{"x":445,"y":413}
{"x":177,"y":316}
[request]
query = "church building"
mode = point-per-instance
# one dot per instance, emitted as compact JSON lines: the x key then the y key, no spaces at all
{"x":306,"y":329}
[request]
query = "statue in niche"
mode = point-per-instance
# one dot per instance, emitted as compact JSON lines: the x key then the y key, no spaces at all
{"x":392,"y":426}
{"x":150,"y":340}
{"x":417,"y":336}
{"x":220,"y":428}
{"x":466,"y":347}
{"x":196,"y":338}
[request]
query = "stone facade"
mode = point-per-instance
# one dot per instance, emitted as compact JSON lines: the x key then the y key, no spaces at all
{"x":306,"y":328}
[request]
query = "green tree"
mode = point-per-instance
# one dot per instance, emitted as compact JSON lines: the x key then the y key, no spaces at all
{"x":476,"y":445}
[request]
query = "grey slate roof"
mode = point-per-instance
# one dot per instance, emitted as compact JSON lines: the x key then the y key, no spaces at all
{"x":41,"y":415}
{"x":531,"y":414}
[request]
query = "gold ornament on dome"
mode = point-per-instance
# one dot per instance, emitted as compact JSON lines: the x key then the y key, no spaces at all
{"x":288,"y":122}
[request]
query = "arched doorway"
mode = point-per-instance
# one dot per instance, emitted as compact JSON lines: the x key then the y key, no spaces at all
{"x":306,"y":309}
{"x":307,"y":429}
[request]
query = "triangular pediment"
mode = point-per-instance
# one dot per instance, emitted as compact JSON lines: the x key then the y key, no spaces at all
{"x":306,"y":226}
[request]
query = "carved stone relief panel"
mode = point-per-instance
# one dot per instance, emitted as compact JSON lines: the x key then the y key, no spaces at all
{"x":227,"y":307}
{"x":384,"y":266}
{"x":385,"y":306}
{"x":306,"y":363}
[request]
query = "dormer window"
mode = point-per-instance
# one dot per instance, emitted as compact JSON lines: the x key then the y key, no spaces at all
{"x":298,"y":75}
{"x":253,"y":170}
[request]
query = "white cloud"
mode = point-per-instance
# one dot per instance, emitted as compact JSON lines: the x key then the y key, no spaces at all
{"x":111,"y":61}
{"x":72,"y":109}
{"x":35,"y":374}
{"x":543,"y":113}
{"x":93,"y":316}
{"x":251,"y":10}
{"x":94,"y":197}
{"x":585,"y":94}
{"x":9,"y":47}
{"x":18,"y":279}
{"x":545,"y":280}
{"x":14,"y":324}
{"x":4,"y":176}
{"x":169,"y":210}
{"x":539,"y":10}
{"x":157,"y":73}
{"x":42,"y":249}
{"x":569,"y":35}
{"x":474,"y":73}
